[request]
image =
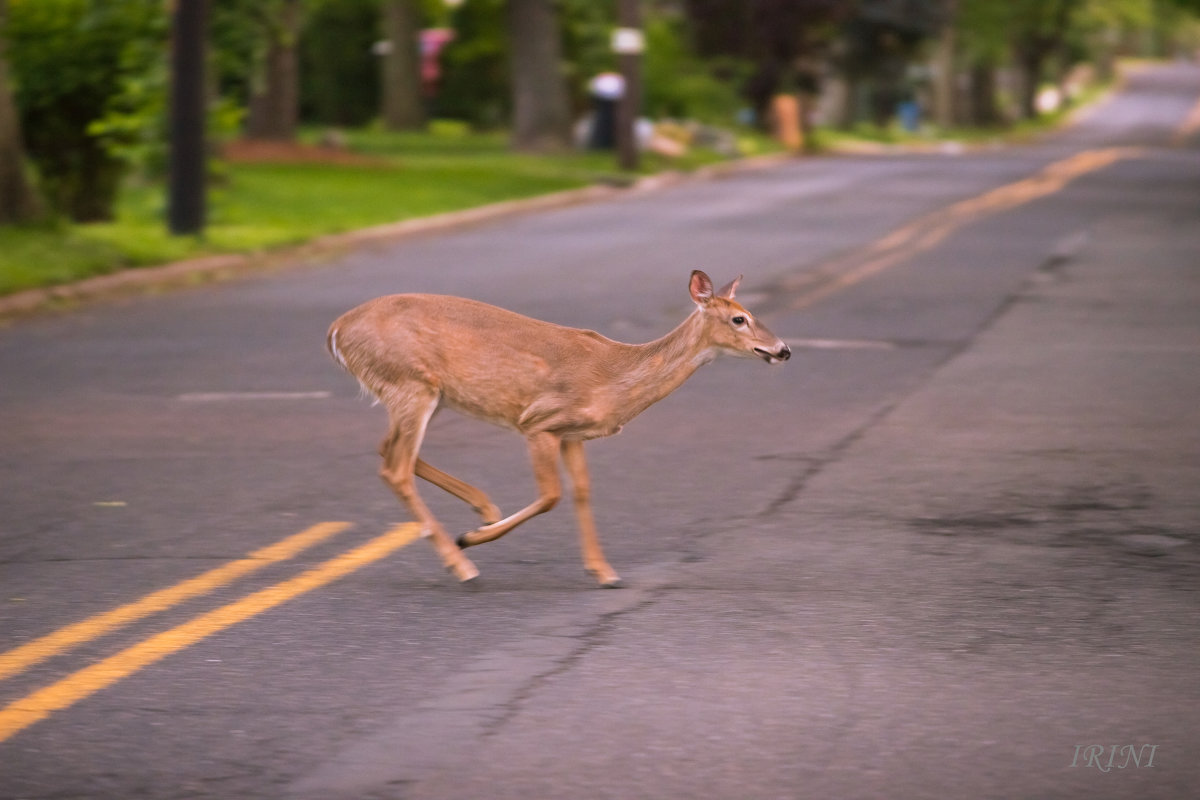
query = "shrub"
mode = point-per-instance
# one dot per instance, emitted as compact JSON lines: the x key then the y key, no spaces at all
{"x":73,"y":61}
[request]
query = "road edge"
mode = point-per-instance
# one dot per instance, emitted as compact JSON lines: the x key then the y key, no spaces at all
{"x":230,"y":266}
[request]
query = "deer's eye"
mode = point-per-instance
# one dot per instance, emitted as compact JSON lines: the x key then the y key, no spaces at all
{"x":738,"y":320}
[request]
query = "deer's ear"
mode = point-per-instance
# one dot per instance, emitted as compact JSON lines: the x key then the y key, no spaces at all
{"x":728,"y":289}
{"x":701,"y":288}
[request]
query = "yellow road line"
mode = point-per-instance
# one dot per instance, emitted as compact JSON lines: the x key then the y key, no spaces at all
{"x":927,"y":232}
{"x":25,"y":656}
{"x":75,"y":687}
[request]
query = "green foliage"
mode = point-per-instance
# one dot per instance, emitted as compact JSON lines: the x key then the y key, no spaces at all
{"x":133,"y":129}
{"x":1116,"y":14}
{"x":983,"y":30}
{"x":475,"y":84}
{"x":587,"y":44}
{"x":75,"y":62}
{"x":339,"y":76}
{"x":679,"y":84}
{"x":237,"y":46}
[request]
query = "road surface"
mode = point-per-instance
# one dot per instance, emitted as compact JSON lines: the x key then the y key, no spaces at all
{"x":950,"y":549}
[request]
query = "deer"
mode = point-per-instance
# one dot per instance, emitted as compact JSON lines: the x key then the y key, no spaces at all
{"x":556,"y":386}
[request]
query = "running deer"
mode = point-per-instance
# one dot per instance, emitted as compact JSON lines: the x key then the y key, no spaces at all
{"x":556,"y":386}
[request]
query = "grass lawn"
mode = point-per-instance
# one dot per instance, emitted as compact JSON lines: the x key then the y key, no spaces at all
{"x":258,"y":205}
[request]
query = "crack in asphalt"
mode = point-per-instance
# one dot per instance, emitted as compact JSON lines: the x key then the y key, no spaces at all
{"x":1063,"y":252}
{"x":799,"y":481}
{"x":481,"y":698}
{"x":588,"y":640}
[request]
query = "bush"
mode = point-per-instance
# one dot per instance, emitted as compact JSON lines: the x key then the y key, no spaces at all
{"x":475,"y":86}
{"x":679,"y":84}
{"x":339,"y":75}
{"x":73,"y":61}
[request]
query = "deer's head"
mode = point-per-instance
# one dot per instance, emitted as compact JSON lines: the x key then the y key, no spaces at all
{"x":730,"y":327}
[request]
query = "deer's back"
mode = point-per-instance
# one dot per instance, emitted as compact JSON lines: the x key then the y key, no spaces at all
{"x":483,"y":360}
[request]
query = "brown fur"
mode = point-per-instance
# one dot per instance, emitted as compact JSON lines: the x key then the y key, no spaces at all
{"x":554,"y":385}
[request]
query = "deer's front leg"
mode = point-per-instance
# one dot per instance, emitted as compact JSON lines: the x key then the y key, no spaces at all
{"x":593,"y":557}
{"x":543,"y":451}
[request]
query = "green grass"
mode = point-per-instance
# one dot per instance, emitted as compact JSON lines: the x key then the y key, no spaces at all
{"x":254,"y":207}
{"x":45,"y":255}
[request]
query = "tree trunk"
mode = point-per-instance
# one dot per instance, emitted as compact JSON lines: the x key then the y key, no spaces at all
{"x":19,"y":201}
{"x":945,"y":72}
{"x":1029,"y":62}
{"x":275,"y":96}
{"x":403,"y":108}
{"x":848,"y":113}
{"x":982,"y":108}
{"x":1036,"y":46}
{"x":541,"y":114}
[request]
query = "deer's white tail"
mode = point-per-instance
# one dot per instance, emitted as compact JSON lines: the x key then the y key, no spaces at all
{"x":331,"y":344}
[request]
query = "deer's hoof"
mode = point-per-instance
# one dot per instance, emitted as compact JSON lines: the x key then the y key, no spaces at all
{"x":464,"y":571}
{"x":489,"y":514}
{"x":607,"y":579}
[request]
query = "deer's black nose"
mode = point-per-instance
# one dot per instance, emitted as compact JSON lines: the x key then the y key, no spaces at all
{"x":784,"y":353}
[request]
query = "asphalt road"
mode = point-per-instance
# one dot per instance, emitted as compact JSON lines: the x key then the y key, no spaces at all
{"x":950,"y":549}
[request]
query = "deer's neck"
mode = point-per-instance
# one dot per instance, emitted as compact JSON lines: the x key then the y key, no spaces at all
{"x":657,"y":368}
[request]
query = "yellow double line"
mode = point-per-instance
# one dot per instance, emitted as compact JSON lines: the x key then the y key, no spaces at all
{"x":34,"y":707}
{"x":927,"y":232}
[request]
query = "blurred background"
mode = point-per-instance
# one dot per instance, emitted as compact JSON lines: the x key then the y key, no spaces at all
{"x":327,"y":115}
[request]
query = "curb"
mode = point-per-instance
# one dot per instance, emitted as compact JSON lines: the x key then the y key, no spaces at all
{"x":210,"y":269}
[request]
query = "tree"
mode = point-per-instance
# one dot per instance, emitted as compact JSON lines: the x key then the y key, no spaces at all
{"x":882,"y":39}
{"x":945,"y":66}
{"x":780,"y":38}
{"x":19,"y":201}
{"x":403,"y":108}
{"x":1039,"y":32}
{"x":73,"y":60}
{"x":475,"y":85}
{"x":541,"y":113}
{"x":274,"y":105}
{"x":476,"y":82}
{"x":982,"y":27}
{"x":1102,"y":25}
{"x":339,"y":72}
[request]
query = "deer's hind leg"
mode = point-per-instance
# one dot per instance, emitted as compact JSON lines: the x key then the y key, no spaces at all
{"x":409,"y":411}
{"x":543,"y":451}
{"x":475,"y":498}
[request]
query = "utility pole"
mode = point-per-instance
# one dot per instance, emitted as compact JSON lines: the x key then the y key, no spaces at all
{"x":628,"y":42}
{"x":188,"y":157}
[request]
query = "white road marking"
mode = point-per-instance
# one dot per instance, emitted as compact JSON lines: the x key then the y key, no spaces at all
{"x":219,"y":397}
{"x":841,"y":344}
